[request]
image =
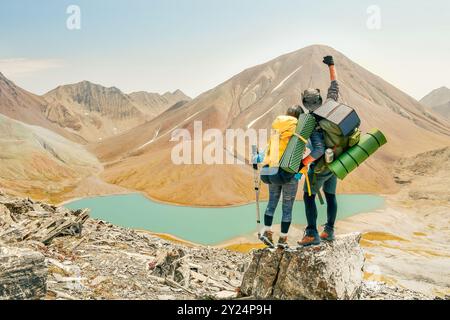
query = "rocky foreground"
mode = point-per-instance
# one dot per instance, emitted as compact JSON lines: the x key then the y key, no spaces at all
{"x":49,"y":252}
{"x":90,"y":259}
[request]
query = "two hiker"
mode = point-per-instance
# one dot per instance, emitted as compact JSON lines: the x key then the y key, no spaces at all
{"x":285,"y":184}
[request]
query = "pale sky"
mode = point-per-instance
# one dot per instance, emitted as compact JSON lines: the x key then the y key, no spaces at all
{"x":194,"y":45}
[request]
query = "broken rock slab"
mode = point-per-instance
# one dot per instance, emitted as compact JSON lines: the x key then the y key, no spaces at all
{"x":329,"y":271}
{"x":23,"y":274}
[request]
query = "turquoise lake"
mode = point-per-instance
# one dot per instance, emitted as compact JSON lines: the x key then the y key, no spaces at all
{"x":209,"y":226}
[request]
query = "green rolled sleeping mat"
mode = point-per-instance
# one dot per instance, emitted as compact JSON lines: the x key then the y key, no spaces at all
{"x":372,"y":141}
{"x":356,"y":155}
{"x":348,"y":162}
{"x":293,"y":155}
{"x":369,"y":144}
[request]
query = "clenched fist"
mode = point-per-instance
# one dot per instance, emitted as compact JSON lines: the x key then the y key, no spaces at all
{"x":328,"y":60}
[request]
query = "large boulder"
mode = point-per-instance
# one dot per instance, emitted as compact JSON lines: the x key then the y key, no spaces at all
{"x":329,"y":271}
{"x":23,"y":274}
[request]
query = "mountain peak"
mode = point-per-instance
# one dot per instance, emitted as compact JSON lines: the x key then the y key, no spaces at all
{"x":87,"y":83}
{"x":319,"y":46}
{"x":176,"y":94}
{"x":178,"y":91}
{"x":80,"y":83}
{"x":87,"y":86}
{"x":438,"y":101}
{"x":316,"y":49}
{"x":442,"y":89}
{"x":437,"y":97}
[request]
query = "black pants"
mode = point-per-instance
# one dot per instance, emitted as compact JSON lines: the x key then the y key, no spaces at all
{"x":311,"y":212}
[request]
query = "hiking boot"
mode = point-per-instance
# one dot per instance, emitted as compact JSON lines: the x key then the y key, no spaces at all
{"x":267,"y":238}
{"x":327,"y":234}
{"x":309,"y":240}
{"x":283,"y":243}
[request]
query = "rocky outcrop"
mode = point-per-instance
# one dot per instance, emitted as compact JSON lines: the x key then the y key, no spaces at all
{"x":23,"y":219}
{"x":23,"y":274}
{"x":329,"y":271}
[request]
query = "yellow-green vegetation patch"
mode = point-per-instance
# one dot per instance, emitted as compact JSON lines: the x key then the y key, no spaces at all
{"x":420,"y":234}
{"x":381,"y":236}
{"x":245,"y":247}
{"x":366,"y":244}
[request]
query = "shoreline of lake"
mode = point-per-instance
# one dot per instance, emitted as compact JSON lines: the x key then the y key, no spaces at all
{"x":175,"y":204}
{"x":216,"y":227}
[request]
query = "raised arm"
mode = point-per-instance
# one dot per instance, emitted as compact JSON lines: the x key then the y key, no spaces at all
{"x":333,"y":91}
{"x":333,"y":76}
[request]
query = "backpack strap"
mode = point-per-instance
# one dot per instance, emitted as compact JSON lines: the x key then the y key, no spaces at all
{"x":300,"y":137}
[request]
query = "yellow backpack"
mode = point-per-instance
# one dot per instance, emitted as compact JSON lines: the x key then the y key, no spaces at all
{"x":283,"y":128}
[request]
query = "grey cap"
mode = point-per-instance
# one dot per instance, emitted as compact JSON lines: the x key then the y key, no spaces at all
{"x":311,"y":99}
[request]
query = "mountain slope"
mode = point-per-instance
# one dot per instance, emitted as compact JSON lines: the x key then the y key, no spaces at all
{"x":141,"y":158}
{"x":153,"y":104}
{"x":37,"y":162}
{"x":96,"y":112}
{"x":443,"y":110}
{"x":91,"y":110}
{"x":21,"y":105}
{"x":438,"y":101}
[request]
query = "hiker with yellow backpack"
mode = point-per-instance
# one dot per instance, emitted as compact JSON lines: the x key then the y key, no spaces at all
{"x":281,"y":183}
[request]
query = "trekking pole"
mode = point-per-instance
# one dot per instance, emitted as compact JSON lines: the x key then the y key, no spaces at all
{"x":257,"y":184}
{"x":308,"y":185}
{"x":299,"y":175}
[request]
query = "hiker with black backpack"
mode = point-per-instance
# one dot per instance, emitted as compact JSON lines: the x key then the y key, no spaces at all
{"x":318,"y":173}
{"x":281,"y":183}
